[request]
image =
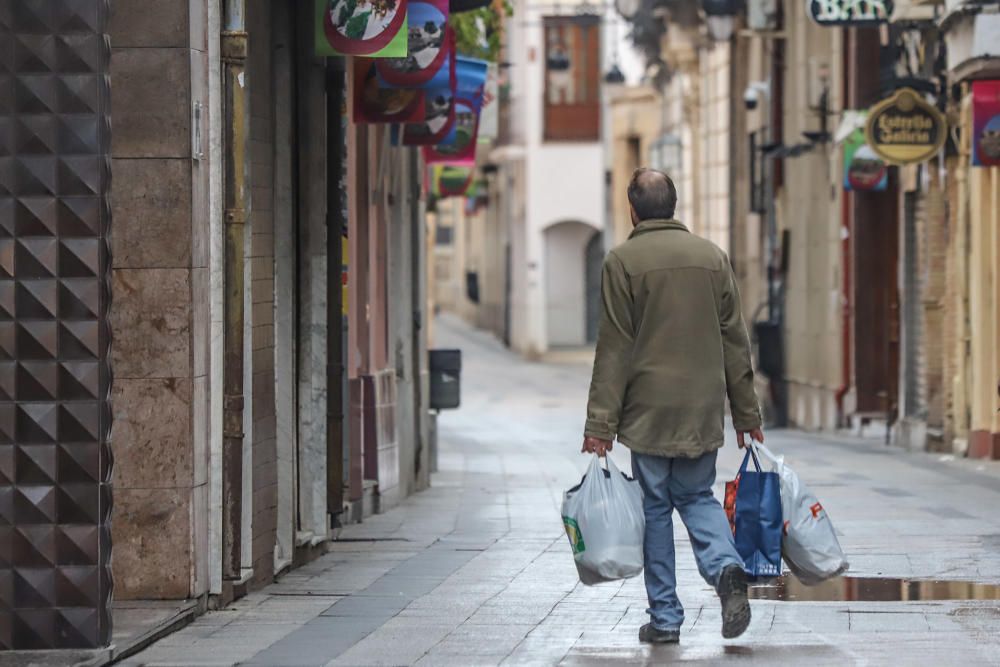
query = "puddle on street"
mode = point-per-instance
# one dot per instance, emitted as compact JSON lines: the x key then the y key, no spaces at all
{"x":873,"y":589}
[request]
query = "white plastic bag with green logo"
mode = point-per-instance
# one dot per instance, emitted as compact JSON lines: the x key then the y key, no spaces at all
{"x":604,"y":522}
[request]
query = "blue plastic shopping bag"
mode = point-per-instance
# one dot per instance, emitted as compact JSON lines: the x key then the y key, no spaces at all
{"x":757,"y":519}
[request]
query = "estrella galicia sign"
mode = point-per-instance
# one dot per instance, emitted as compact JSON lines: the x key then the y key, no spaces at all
{"x":850,"y":12}
{"x":905,"y":128}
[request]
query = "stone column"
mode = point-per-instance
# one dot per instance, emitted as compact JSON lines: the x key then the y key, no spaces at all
{"x":159,"y":318}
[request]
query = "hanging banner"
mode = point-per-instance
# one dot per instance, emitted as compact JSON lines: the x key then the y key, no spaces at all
{"x":371,"y":28}
{"x":471,"y":76}
{"x":489,"y":116}
{"x":449,"y":180}
{"x":849,"y":12}
{"x":437,"y":125}
{"x":986,"y":123}
{"x":375,"y":104}
{"x":864,"y":171}
{"x":462,"y":147}
{"x":430,"y":48}
{"x":905,"y":129}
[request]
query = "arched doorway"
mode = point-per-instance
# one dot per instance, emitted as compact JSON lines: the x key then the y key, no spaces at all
{"x":593,"y":261}
{"x":568,"y":291}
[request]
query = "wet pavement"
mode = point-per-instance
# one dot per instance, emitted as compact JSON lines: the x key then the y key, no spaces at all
{"x":477,"y":570}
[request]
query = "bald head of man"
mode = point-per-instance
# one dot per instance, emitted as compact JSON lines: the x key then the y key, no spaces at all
{"x":651,"y":195}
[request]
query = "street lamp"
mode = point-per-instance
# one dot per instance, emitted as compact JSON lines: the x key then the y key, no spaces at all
{"x":720,"y":17}
{"x":614,"y":75}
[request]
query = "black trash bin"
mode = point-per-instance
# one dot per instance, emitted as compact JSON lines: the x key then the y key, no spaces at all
{"x":770,"y":352}
{"x":446,"y":374}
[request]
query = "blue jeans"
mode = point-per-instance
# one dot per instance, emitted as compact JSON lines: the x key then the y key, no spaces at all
{"x":686,"y":484}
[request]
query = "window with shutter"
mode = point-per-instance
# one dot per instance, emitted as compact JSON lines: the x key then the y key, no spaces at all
{"x":572,"y":78}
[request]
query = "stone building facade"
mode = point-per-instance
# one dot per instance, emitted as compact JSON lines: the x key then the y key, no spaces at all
{"x":118,"y":122}
{"x":885,"y":318}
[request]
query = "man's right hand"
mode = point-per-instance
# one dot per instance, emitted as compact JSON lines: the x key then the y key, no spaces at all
{"x":597,"y":446}
{"x":755,"y":434}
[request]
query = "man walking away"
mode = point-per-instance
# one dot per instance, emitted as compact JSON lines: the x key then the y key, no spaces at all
{"x":671,"y":345}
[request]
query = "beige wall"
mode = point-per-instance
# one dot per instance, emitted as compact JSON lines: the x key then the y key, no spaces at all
{"x":746,"y":250}
{"x":713,"y":171}
{"x":635,"y":117}
{"x":975,"y":291}
{"x":809,"y":205}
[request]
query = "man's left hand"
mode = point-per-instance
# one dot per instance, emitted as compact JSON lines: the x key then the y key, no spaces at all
{"x":592,"y":445}
{"x":755,"y":434}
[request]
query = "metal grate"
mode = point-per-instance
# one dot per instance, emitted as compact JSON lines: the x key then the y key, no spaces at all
{"x":55,"y":465}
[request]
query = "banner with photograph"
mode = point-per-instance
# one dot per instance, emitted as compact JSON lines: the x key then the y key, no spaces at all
{"x":462,"y":147}
{"x":437,"y":124}
{"x":451,"y":180}
{"x":470,"y":74}
{"x":374,"y":104}
{"x":371,"y":28}
{"x":429,"y":61}
{"x":864,"y":171}
{"x":489,"y":117}
{"x":985,"y":123}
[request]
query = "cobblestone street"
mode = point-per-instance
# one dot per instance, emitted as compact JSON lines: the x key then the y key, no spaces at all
{"x":476,"y":571}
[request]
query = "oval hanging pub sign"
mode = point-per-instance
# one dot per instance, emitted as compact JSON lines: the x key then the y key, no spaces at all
{"x":905,"y":129}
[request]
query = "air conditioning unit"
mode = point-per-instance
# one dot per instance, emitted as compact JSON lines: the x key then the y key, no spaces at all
{"x":762,"y":14}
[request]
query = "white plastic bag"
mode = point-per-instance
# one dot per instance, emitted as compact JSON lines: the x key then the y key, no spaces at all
{"x":605,"y":523}
{"x":809,"y":544}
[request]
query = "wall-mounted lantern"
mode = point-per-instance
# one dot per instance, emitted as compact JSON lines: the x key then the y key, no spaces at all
{"x":614,"y":76}
{"x":720,"y":18}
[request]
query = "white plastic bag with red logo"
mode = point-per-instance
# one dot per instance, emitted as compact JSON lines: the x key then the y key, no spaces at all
{"x":809,"y":542}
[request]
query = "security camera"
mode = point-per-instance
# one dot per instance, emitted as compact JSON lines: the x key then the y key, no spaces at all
{"x":753,"y":93}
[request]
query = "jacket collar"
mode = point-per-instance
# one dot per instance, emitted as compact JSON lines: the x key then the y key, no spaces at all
{"x":656,"y":225}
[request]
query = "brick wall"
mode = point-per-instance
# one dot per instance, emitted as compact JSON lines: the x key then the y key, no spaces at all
{"x":261,"y":275}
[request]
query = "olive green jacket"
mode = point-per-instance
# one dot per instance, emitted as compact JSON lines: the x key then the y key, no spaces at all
{"x":671,"y":345}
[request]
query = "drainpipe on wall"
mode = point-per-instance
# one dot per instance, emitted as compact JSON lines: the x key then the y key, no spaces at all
{"x":845,"y":305}
{"x":236,"y":198}
{"x":335,"y":336}
{"x":845,"y":259}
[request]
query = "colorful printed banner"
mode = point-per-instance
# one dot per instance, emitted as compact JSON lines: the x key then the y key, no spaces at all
{"x":429,"y":62}
{"x":375,"y":104}
{"x":449,"y":180}
{"x":462,"y":148}
{"x":471,"y":76}
{"x":489,"y":117}
{"x":863,"y":169}
{"x":985,"y":123}
{"x":437,"y":125}
{"x":371,"y":28}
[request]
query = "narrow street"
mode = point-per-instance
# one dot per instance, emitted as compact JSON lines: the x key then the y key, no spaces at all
{"x":476,"y":571}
